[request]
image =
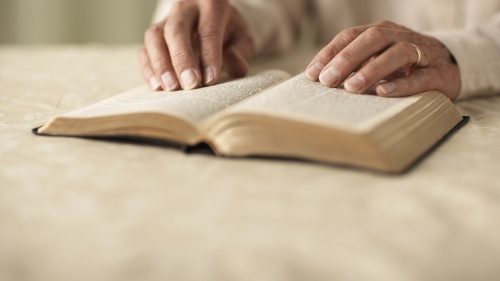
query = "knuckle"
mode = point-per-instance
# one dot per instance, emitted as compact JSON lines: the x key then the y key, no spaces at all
{"x":153,"y":32}
{"x":348,"y":35}
{"x":146,"y":70}
{"x":208,"y":31}
{"x":384,"y":23}
{"x":328,"y":53}
{"x":178,"y":6}
{"x":346,"y":58}
{"x":174,"y":28}
{"x":405,"y":50}
{"x":216,"y":10}
{"x":159,"y":63}
{"x":409,"y":51}
{"x":374,"y":34}
{"x":370,"y":71}
{"x":180,"y":59}
{"x":218,"y":4}
{"x":210,"y":57}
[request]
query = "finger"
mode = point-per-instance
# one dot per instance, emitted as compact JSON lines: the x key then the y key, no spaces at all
{"x":158,"y":59}
{"x":397,"y":57}
{"x":178,"y":32}
{"x":147,"y":72}
{"x":419,"y":81}
{"x":338,"y":43}
{"x":238,"y":51}
{"x":211,"y":28}
{"x":368,"y":44}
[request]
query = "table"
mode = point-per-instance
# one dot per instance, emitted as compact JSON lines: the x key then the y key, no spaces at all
{"x":80,"y":209}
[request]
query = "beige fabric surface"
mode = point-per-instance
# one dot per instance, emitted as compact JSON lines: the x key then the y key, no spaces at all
{"x":78,"y":209}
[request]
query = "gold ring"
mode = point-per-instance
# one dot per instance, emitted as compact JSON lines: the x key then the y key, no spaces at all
{"x":419,"y":55}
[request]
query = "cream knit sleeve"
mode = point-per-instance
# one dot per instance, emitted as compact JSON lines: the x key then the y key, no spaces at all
{"x":275,"y":24}
{"x":477,"y":51}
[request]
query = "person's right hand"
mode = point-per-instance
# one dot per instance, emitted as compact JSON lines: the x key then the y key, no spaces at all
{"x":190,"y":47}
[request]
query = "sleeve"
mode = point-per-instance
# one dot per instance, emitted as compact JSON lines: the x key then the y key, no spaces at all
{"x":477,"y":52}
{"x":274,"y":24}
{"x":162,"y":10}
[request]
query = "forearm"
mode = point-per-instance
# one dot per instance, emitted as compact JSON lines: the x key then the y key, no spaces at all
{"x":477,"y":52}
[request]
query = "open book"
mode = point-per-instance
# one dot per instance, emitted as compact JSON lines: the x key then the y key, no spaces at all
{"x":273,"y":114}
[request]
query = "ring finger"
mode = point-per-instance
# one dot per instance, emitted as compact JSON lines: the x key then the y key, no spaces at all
{"x":399,"y":56}
{"x":147,"y":72}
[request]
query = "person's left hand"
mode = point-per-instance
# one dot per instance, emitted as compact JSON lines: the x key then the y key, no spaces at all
{"x":395,"y":59}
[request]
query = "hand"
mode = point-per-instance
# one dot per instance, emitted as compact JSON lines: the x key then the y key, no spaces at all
{"x":383,"y":53}
{"x":190,"y":47}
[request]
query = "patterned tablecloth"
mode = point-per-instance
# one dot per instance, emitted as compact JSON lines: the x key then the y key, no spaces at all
{"x":78,"y":209}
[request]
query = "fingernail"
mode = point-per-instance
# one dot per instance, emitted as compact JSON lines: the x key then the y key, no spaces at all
{"x":387,"y":88}
{"x":329,"y":76}
{"x":313,"y":72}
{"x":169,"y":80}
{"x":188,"y":79}
{"x":355,"y":83}
{"x":208,"y":75}
{"x":154,"y":83}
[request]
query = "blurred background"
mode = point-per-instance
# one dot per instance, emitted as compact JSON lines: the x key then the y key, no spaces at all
{"x":74,"y":21}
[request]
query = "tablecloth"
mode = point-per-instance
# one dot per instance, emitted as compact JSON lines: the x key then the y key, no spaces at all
{"x":81,"y":209}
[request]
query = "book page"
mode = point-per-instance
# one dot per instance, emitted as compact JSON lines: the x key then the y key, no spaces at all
{"x":190,"y":105}
{"x":303,"y":99}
